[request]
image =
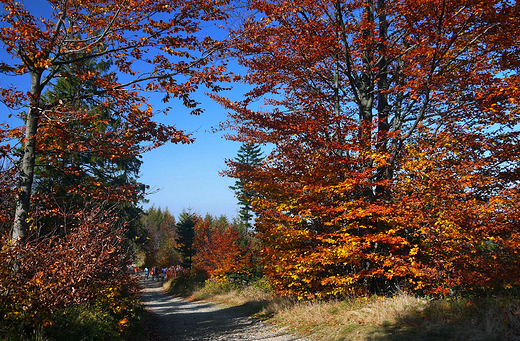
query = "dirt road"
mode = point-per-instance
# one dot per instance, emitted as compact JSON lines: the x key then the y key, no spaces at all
{"x":177,"y":319}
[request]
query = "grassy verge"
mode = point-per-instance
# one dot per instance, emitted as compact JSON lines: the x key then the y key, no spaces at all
{"x":402,"y":317}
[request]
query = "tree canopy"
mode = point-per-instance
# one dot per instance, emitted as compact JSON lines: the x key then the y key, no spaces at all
{"x":153,"y":46}
{"x":394,"y":127}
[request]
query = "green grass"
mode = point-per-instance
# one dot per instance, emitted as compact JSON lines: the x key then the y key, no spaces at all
{"x":183,"y":286}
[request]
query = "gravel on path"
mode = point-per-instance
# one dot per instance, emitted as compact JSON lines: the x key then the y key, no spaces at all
{"x":177,"y":319}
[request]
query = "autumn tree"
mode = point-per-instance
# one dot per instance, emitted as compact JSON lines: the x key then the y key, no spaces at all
{"x":224,"y":249}
{"x":249,"y":155}
{"x":395,"y":141}
{"x":160,"y":232}
{"x":154,"y":47}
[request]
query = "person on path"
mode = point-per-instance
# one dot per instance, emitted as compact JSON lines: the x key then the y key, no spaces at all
{"x":157,"y":273}
{"x":163,"y":274}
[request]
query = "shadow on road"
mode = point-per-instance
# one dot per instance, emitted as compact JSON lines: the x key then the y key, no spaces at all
{"x":179,"y":319}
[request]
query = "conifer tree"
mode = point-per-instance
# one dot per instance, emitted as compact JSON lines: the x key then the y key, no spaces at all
{"x":249,"y":155}
{"x":185,"y":238}
{"x":67,"y":168}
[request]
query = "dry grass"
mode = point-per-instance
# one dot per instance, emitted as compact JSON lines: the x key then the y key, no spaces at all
{"x":233,"y":293}
{"x":353,"y":319}
{"x":402,"y":317}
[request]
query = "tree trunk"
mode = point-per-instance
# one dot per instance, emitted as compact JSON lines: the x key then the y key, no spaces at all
{"x":26,"y":168}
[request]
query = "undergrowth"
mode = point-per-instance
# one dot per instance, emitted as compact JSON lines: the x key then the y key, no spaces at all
{"x":113,"y":317}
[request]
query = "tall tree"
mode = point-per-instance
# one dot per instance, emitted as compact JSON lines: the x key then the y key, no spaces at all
{"x":353,"y":91}
{"x":64,"y":173}
{"x":249,"y":155}
{"x":186,"y":238}
{"x":154,"y":44}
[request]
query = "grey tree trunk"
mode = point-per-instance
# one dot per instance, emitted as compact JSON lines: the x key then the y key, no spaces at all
{"x":26,"y":167}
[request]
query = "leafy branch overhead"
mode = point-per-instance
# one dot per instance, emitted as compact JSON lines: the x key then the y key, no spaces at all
{"x":152,"y":46}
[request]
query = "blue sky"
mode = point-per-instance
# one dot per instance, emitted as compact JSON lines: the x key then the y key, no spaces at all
{"x":186,"y":176}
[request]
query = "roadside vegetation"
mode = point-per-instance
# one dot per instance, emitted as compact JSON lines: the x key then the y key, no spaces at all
{"x":115,"y":316}
{"x":399,"y":317}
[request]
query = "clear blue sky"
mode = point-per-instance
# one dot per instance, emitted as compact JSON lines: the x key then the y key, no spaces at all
{"x":187,"y":176}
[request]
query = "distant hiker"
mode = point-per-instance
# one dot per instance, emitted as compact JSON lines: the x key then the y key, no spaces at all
{"x":163,"y":274}
{"x":146,"y":273}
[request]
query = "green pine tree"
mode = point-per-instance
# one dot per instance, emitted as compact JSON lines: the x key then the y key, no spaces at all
{"x":248,"y":155}
{"x":185,"y":238}
{"x":60,"y":169}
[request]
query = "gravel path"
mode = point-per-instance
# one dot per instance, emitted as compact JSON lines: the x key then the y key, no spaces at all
{"x":177,"y":319}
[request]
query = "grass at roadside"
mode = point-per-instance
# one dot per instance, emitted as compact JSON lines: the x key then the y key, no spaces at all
{"x":402,"y":317}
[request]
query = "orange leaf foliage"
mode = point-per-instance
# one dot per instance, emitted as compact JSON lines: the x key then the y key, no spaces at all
{"x":150,"y":45}
{"x":58,"y":271}
{"x":221,"y":249}
{"x":394,"y":127}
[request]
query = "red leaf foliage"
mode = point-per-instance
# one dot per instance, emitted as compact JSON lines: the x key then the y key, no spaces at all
{"x":221,"y":249}
{"x":46,"y":274}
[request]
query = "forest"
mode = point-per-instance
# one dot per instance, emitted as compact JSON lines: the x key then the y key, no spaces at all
{"x":392,"y":131}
